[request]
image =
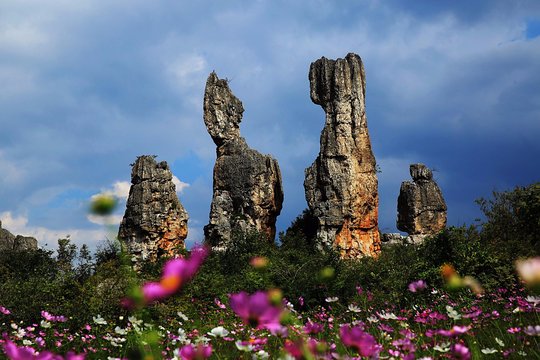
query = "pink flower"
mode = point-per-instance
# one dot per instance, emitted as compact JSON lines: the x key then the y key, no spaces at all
{"x":176,"y":273}
{"x":14,"y":352}
{"x":455,"y":331}
{"x":257,"y":310}
{"x":417,"y":285}
{"x":460,"y":351}
{"x":190,"y":352}
{"x":53,"y":318}
{"x":532,"y":330}
{"x":313,"y":328}
{"x":365,"y":344}
{"x":513,"y":330}
{"x":4,"y":311}
{"x":219,"y":304}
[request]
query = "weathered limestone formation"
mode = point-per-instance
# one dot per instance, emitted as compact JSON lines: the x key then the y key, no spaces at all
{"x":8,"y":241}
{"x":248,"y":194}
{"x":421,"y":207}
{"x":341,"y":185}
{"x":155,"y":222}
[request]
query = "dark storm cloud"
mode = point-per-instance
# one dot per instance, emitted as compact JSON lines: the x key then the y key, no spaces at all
{"x":93,"y":84}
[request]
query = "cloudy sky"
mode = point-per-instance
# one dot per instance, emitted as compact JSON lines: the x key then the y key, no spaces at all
{"x":89,"y":85}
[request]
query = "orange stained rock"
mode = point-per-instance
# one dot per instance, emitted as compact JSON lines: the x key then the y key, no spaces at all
{"x":354,"y":242}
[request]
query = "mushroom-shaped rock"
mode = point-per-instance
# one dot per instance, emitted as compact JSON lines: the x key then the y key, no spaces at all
{"x":341,"y":185}
{"x":247,"y":189}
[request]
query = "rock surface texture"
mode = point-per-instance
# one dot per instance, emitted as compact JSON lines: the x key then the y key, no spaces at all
{"x":341,"y":185}
{"x":155,"y":222}
{"x":8,"y":241}
{"x":421,"y":206}
{"x":248,"y":194}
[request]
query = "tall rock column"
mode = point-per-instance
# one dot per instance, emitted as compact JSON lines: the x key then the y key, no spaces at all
{"x":341,"y":185}
{"x":248,"y":194}
{"x":155,"y":222}
{"x":421,"y":206}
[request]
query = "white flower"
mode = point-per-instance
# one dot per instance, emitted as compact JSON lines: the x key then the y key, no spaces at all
{"x":45,"y":324}
{"x":535,"y":300}
{"x":372,"y":319}
{"x":182,"y":336}
{"x":243,"y":347}
{"x":354,"y":308}
{"x":331,"y":299}
{"x":489,"y":351}
{"x":444,"y":347}
{"x":116,"y":342}
{"x":452,"y":314}
{"x":202,"y":339}
{"x":99,"y":320}
{"x":499,"y":341}
{"x":387,"y":316}
{"x":26,"y":342}
{"x":120,"y":331}
{"x":522,"y":353}
{"x":261,"y":354}
{"x":14,"y":326}
{"x":516,"y":310}
{"x":134,"y":320}
{"x":182,"y":316}
{"x":219,"y":331}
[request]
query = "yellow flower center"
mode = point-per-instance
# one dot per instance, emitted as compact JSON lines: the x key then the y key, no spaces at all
{"x":171,"y":283}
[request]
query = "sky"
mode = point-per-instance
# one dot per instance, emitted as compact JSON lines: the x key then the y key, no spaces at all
{"x":89,"y":85}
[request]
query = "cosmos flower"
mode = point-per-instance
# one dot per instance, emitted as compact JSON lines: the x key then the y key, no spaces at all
{"x":219,"y":331}
{"x":417,"y":286}
{"x":199,"y":352}
{"x":53,"y":318}
{"x":460,"y":351}
{"x":14,"y":352}
{"x":176,"y":273}
{"x":4,"y":311}
{"x":355,"y":337}
{"x":257,"y":310}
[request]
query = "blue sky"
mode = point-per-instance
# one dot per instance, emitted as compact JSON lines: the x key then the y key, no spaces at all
{"x":88,"y":85}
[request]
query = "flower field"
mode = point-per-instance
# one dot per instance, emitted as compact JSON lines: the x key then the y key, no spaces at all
{"x":462,"y":325}
{"x":467,"y":293}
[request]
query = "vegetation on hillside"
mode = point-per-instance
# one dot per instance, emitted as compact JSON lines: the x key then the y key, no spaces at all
{"x":344,"y":301}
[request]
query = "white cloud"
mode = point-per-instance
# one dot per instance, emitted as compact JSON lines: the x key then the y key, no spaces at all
{"x":109,"y":220}
{"x":18,"y":225}
{"x":180,"y":185}
{"x":120,"y":190}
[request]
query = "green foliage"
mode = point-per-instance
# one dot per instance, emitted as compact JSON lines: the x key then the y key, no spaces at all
{"x":81,"y":286}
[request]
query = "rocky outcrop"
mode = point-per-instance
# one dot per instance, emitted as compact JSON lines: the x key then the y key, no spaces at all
{"x":8,"y":241}
{"x":421,"y":206}
{"x":155,"y":222}
{"x":248,"y":194}
{"x":341,"y":185}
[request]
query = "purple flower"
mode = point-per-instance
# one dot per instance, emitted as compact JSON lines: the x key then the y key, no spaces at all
{"x":417,"y":285}
{"x":176,"y":273}
{"x":355,"y":337}
{"x":257,"y":310}
{"x":454,"y":331}
{"x":53,"y":318}
{"x":201,"y":352}
{"x":14,"y":352}
{"x":313,"y":328}
{"x":4,"y":311}
{"x":460,"y":351}
{"x":532,"y":330}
